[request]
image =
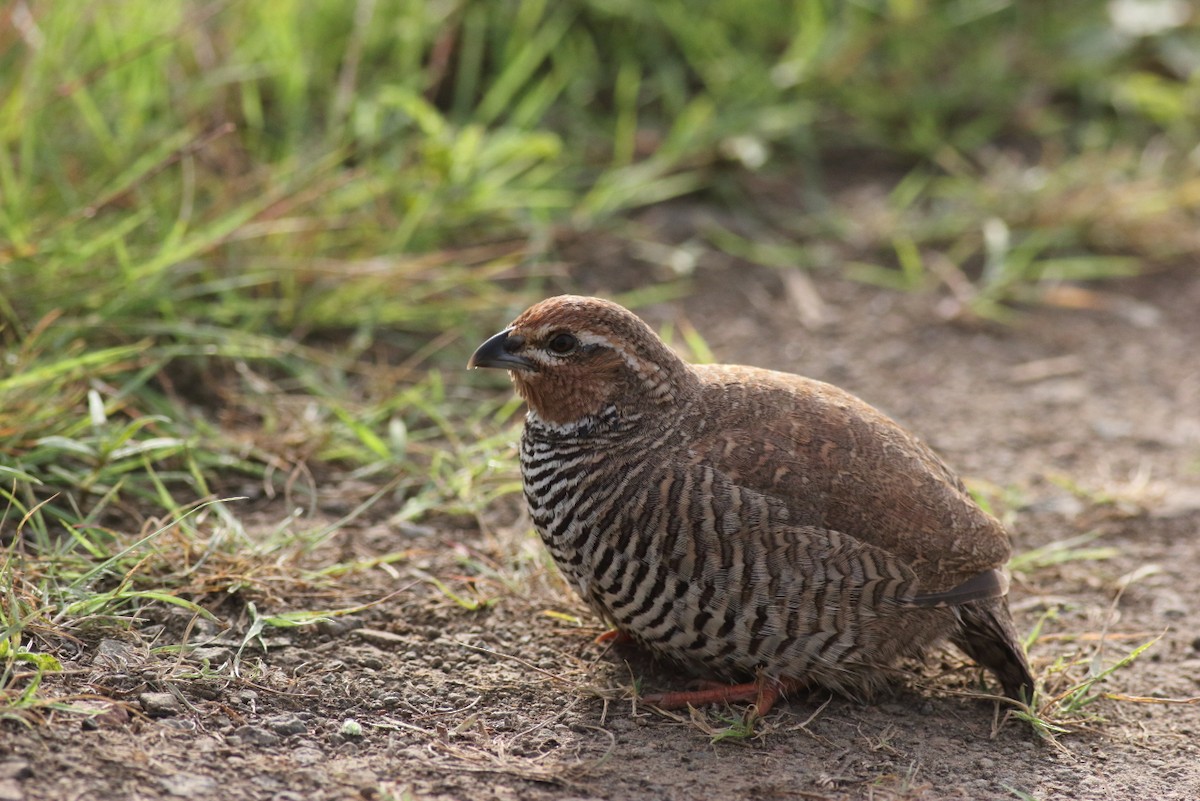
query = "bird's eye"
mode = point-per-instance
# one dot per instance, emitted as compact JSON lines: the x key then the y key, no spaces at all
{"x":562,"y":344}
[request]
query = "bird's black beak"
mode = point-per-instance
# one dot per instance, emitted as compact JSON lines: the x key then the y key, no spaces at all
{"x":501,"y":351}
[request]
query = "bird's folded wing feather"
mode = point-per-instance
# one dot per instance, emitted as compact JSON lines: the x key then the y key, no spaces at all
{"x":837,"y":463}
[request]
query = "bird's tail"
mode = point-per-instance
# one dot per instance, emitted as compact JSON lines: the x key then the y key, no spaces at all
{"x":987,"y":634}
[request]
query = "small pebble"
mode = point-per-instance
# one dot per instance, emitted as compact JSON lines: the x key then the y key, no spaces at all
{"x":286,"y":724}
{"x":15,"y":769}
{"x":180,"y":724}
{"x":215,"y":654}
{"x":255,"y":735}
{"x":378,"y":637}
{"x":334,"y":627}
{"x":307,"y":756}
{"x":189,"y":785}
{"x":158,"y":705}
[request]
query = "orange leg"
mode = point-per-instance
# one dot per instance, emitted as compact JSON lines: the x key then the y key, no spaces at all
{"x":764,"y":692}
{"x":614,"y":637}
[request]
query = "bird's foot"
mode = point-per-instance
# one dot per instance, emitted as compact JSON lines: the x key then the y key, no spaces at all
{"x":613,"y":637}
{"x":763,"y":692}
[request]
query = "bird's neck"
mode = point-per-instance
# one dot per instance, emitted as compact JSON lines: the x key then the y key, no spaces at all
{"x":610,"y":423}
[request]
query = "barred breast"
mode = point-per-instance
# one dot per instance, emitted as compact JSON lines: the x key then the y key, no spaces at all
{"x":706,"y":572}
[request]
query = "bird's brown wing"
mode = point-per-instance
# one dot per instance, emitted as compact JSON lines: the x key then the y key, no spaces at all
{"x":838,"y":463}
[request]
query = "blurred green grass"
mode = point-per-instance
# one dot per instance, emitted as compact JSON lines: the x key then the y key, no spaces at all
{"x":241,"y":241}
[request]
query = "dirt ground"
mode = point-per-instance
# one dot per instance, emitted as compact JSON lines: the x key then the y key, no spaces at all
{"x":1071,"y":421}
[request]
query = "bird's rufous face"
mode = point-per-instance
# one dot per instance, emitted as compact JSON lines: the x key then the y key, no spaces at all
{"x":569,"y":359}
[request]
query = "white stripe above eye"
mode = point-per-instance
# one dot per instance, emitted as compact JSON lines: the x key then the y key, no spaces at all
{"x":639,"y":366}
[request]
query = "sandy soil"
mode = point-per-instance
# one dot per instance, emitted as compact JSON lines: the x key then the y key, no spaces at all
{"x":1071,"y":421}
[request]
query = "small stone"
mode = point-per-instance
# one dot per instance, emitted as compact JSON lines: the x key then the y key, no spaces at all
{"x":351,"y":728}
{"x":308,"y":756}
{"x":1060,"y":392}
{"x":334,"y":627}
{"x":116,"y":654}
{"x":189,"y":785}
{"x":986,"y":763}
{"x":101,"y":714}
{"x":255,"y":735}
{"x":378,"y":637}
{"x":1111,"y":428}
{"x":180,"y":724}
{"x":1063,"y":505}
{"x":214,"y":654}
{"x":15,"y":769}
{"x":159,"y":705}
{"x":285,"y":725}
{"x":1178,"y":502}
{"x":1169,"y":604}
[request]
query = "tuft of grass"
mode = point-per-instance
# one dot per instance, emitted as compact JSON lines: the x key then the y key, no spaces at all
{"x":466,"y":602}
{"x":1067,"y":699}
{"x":1071,"y":706}
{"x":735,"y":729}
{"x":1070,"y":689}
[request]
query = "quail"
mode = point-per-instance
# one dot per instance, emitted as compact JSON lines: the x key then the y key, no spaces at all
{"x":772,"y":530}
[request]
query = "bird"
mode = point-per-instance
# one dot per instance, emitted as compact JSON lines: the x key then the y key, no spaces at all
{"x":771,"y":531}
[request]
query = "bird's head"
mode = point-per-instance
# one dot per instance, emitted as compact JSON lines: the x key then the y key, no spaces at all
{"x":572,"y":357}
